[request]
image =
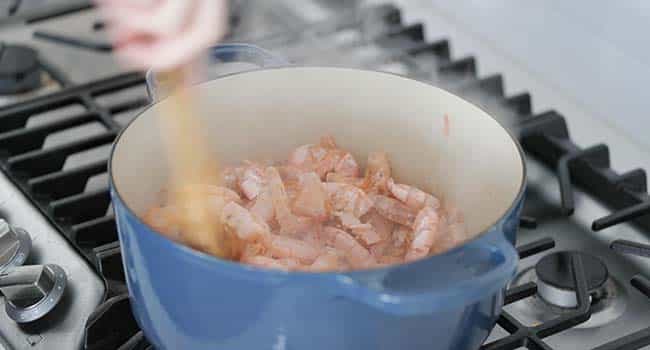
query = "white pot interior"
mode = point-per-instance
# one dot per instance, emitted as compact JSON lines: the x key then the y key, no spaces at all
{"x":264,"y":114}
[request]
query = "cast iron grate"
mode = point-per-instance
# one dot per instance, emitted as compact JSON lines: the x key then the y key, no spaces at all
{"x":84,"y":219}
{"x":532,"y":337}
{"x":39,"y":172}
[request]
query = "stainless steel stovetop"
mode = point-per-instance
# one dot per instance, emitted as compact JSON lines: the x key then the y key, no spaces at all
{"x":320,"y":32}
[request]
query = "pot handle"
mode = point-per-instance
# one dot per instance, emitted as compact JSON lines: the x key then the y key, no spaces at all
{"x":222,"y":60}
{"x":461,"y":276}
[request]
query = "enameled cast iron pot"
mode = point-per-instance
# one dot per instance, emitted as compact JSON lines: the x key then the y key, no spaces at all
{"x":184,"y":299}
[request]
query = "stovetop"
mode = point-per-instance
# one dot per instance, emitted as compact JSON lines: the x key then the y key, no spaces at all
{"x":54,"y":142}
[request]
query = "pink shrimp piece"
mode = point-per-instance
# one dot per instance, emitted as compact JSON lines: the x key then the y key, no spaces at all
{"x":164,"y":220}
{"x":395,"y":246}
{"x":426,"y":233}
{"x":265,"y":262}
{"x":389,"y":260}
{"x":348,"y":199}
{"x":289,"y":223}
{"x":413,"y":197}
{"x":383,"y":226}
{"x":262,"y":207}
{"x":230,"y":177}
{"x":312,"y":200}
{"x":344,"y":179}
{"x":377,"y":173}
{"x":347,"y":166}
{"x":393,"y":210}
{"x":328,"y":261}
{"x":356,"y":254}
{"x":251,"y":181}
{"x":239,"y":221}
{"x":290,"y":174}
{"x":287,"y":247}
{"x":324,"y":158}
{"x":292,"y":264}
{"x":364,"y":232}
{"x":252,"y":249}
{"x":307,"y":157}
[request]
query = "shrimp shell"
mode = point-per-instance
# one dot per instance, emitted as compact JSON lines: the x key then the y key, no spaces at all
{"x":348,"y":199}
{"x":266,"y":262}
{"x":312,"y":200}
{"x":289,"y":223}
{"x":345,"y":179}
{"x":287,"y":247}
{"x":377,"y":173}
{"x":356,"y":254}
{"x":427,"y":232}
{"x":251,"y":181}
{"x":242,"y":223}
{"x":327,"y":261}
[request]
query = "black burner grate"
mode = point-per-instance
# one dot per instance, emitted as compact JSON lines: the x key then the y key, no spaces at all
{"x":83,"y":216}
{"x":532,"y":337}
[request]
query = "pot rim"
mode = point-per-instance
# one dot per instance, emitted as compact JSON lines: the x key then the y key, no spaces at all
{"x":213,"y":260}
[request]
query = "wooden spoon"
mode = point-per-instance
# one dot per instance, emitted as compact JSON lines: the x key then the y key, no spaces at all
{"x":192,"y":163}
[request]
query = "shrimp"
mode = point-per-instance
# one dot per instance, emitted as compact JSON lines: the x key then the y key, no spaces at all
{"x":426,"y":233}
{"x":251,"y":181}
{"x":393,"y":210}
{"x":395,"y":246}
{"x":252,"y":249}
{"x":413,"y":197}
{"x":290,"y":174}
{"x":364,"y":232}
{"x":287,"y":247}
{"x":230,"y":177}
{"x":242,"y":224}
{"x":347,"y":166}
{"x":327,"y":261}
{"x":324,"y":158}
{"x":289,"y":223}
{"x":340,"y":178}
{"x":312,"y":200}
{"x":262,"y":206}
{"x":348,"y":199}
{"x":383,"y":226}
{"x":356,"y":254}
{"x":265,"y":262}
{"x":377,"y":173}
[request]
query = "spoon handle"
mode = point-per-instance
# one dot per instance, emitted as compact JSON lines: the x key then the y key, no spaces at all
{"x":191,"y":163}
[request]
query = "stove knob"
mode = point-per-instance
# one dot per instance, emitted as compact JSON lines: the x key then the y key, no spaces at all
{"x":32,"y":291}
{"x":15,"y":245}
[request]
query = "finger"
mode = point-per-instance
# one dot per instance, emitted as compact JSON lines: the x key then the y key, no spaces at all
{"x":168,"y":18}
{"x":204,"y":31}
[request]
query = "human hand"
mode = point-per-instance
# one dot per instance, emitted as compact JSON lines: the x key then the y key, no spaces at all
{"x":164,"y":34}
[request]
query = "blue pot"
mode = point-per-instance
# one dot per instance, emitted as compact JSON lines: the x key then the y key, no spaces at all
{"x":184,"y":299}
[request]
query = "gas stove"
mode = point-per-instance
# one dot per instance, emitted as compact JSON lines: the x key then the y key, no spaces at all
{"x":584,"y":278}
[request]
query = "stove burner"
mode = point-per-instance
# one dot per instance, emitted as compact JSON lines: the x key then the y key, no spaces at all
{"x":15,"y":245}
{"x":20,"y":70}
{"x":555,"y":275}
